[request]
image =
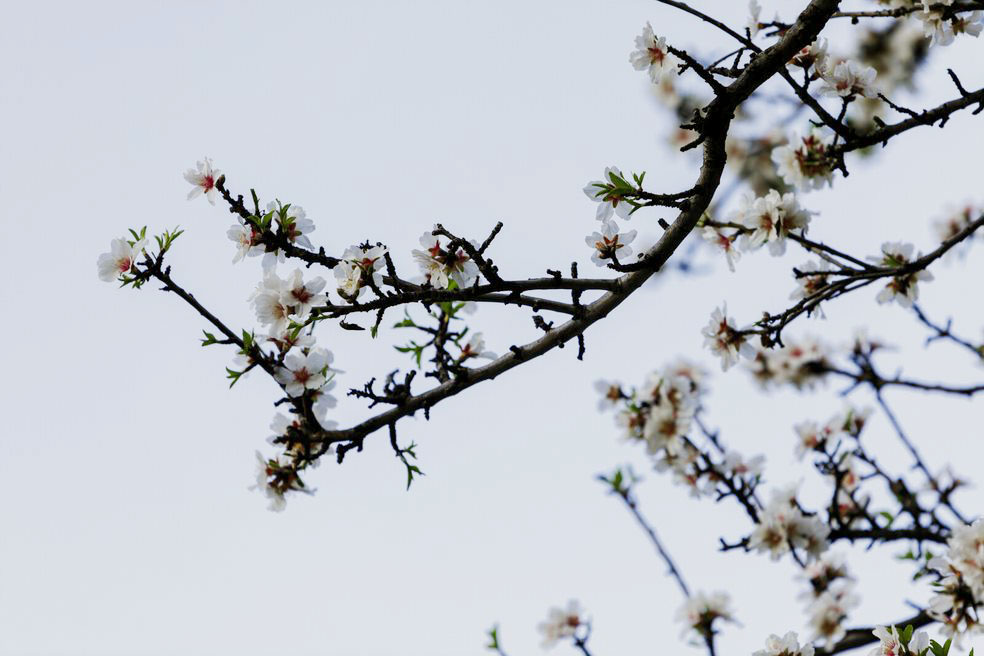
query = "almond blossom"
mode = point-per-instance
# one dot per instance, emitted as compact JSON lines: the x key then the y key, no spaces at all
{"x":291,"y":221}
{"x":441,"y":266}
{"x":891,"y":643}
{"x":203,"y":178}
{"x":610,"y":394}
{"x":264,"y":470}
{"x":304,"y":372}
{"x":848,"y":79}
{"x":771,"y":219}
{"x":652,"y":55}
{"x":247,"y":240}
{"x":609,"y":201}
{"x":725,"y":242}
{"x":960,"y":590}
{"x":814,"y":55}
{"x":475,"y":348}
{"x":361,"y":266}
{"x":935,"y":27}
{"x":610,"y":244}
{"x":701,"y":609}
{"x":903,"y":288}
{"x":725,"y":340}
{"x":788,"y":645}
{"x":804,"y":163}
{"x":120,"y":259}
{"x":561,"y":623}
{"x":782,"y":526}
{"x":269,"y":304}
{"x":811,"y":279}
{"x":753,"y":24}
{"x":301,"y":296}
{"x":967,"y":23}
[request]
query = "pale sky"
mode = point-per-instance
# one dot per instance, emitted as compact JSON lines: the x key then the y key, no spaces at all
{"x":127,"y":526}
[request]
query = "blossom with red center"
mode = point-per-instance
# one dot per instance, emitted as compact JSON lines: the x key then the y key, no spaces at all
{"x":609,"y":199}
{"x":725,"y":340}
{"x":304,"y":372}
{"x":652,"y":55}
{"x":203,"y":178}
{"x":804,"y":162}
{"x":561,"y":623}
{"x":247,"y":240}
{"x":475,"y":348}
{"x":301,"y":296}
{"x":903,"y":288}
{"x":120,"y":259}
{"x":609,"y":244}
{"x":360,"y":266}
{"x":440,"y":265}
{"x":724,"y":242}
{"x":849,"y":79}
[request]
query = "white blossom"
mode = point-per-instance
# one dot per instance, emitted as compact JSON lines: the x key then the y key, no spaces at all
{"x":782,"y":525}
{"x":120,"y":259}
{"x":292,"y":222}
{"x":902,"y":288}
{"x":723,"y":241}
{"x":936,"y":28}
{"x":475,"y":348}
{"x":269,"y":304}
{"x":304,"y":372}
{"x":359,"y":267}
{"x":652,"y":55}
{"x":561,"y":623}
{"x":891,"y":643}
{"x":771,"y":219}
{"x":814,"y":55}
{"x":754,"y":15}
{"x":609,"y":201}
{"x":700,"y":610}
{"x":301,"y":296}
{"x":725,"y":340}
{"x":849,"y":78}
{"x":804,"y":162}
{"x":610,"y":393}
{"x":967,"y":24}
{"x":263,"y":473}
{"x":441,"y":266}
{"x":610,"y":243}
{"x":788,"y":645}
{"x":247,"y":241}
{"x":735,"y":464}
{"x":203,"y":178}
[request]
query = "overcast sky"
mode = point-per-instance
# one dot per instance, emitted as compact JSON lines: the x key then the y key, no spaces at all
{"x":127,"y":526}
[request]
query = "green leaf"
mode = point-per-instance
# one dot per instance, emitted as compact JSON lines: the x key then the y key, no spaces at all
{"x":493,"y":638}
{"x":209,"y":339}
{"x":233,"y":375}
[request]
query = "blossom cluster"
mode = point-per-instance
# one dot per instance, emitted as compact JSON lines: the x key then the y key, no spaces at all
{"x":788,"y":645}
{"x":783,"y":526}
{"x":813,"y":437}
{"x":959,"y":593}
{"x":442,"y":263}
{"x":829,"y":598}
{"x":800,"y":364}
{"x":660,"y":414}
{"x":701,"y":610}
{"x":361,"y":267}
